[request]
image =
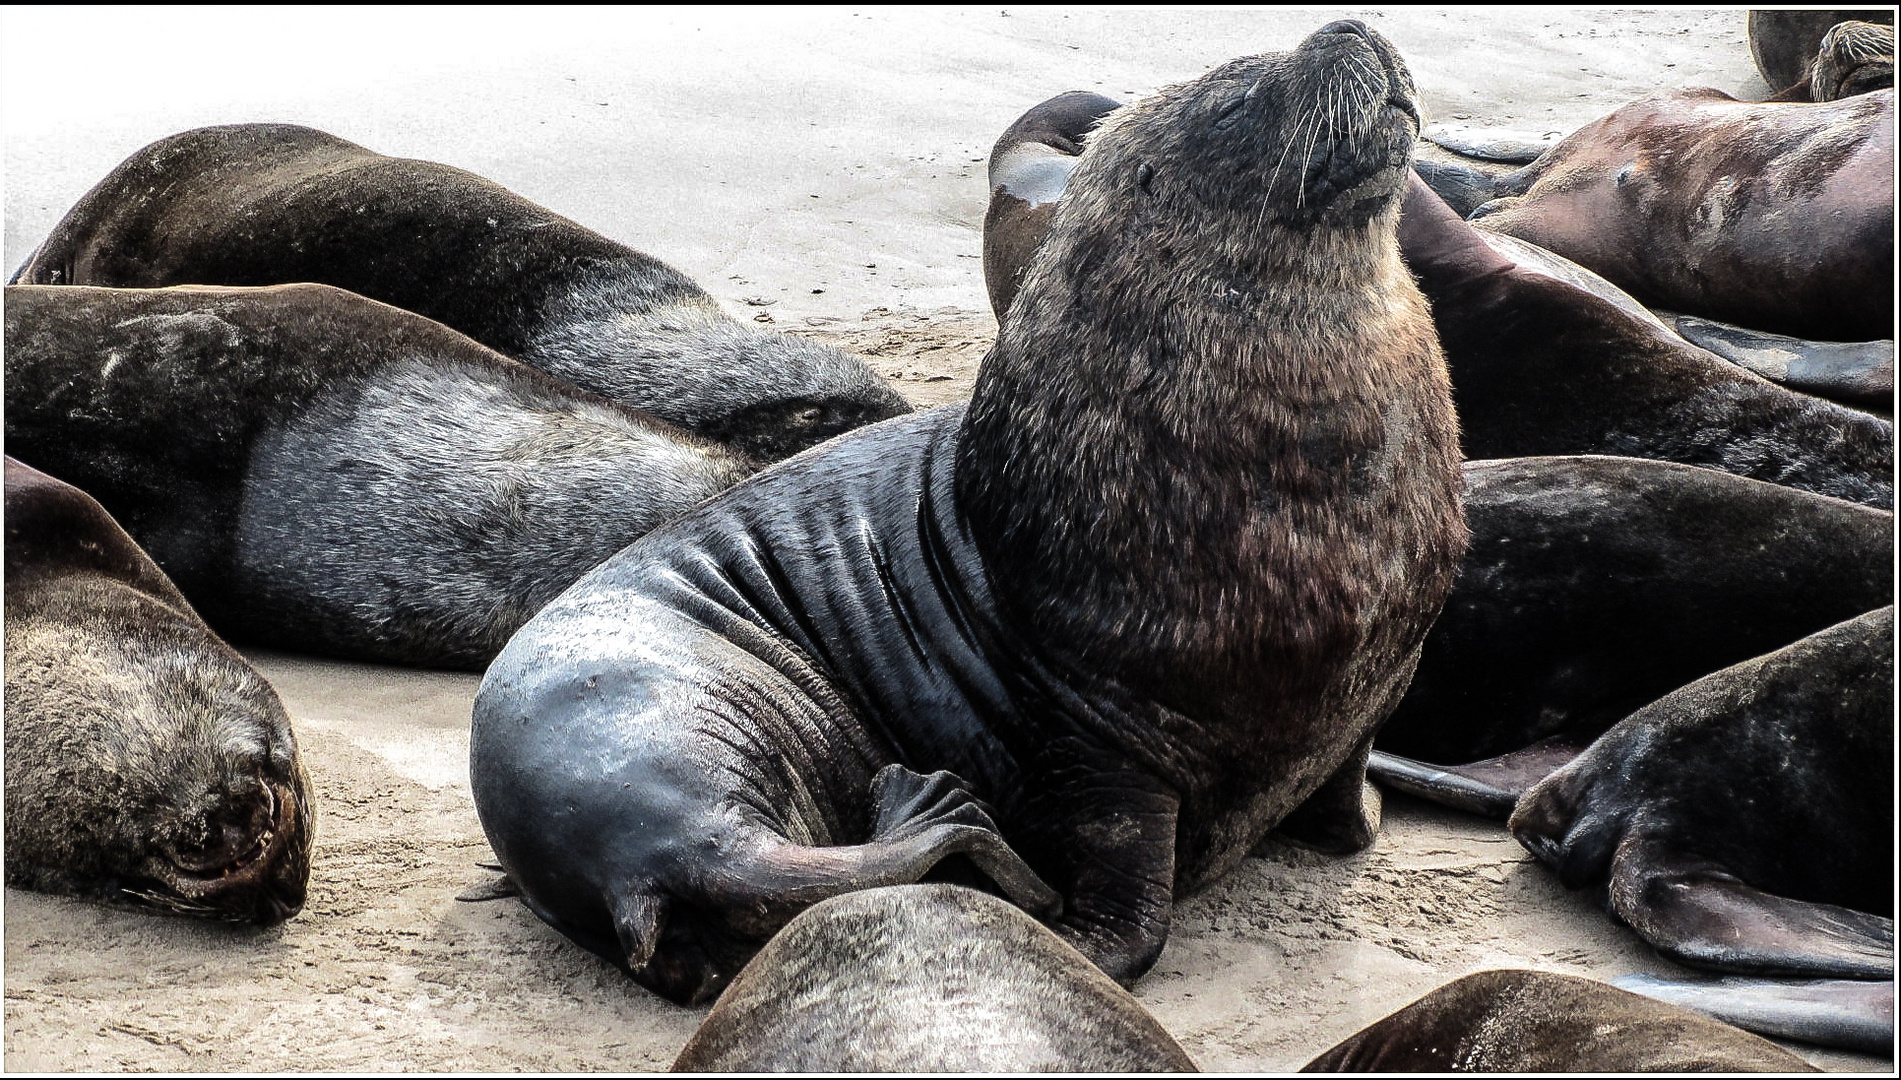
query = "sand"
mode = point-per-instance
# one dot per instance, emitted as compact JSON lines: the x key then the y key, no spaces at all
{"x":822,"y":170}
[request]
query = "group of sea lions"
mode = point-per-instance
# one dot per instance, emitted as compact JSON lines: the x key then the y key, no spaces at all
{"x":1084,"y":642}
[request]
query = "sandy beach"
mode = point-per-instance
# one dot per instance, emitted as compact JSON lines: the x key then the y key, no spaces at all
{"x":821,"y":170}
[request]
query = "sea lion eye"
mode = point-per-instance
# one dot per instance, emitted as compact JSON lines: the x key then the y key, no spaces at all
{"x":1231,"y":111}
{"x":1144,"y":176}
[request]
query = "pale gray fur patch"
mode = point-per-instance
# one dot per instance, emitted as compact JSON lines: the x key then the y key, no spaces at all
{"x":689,"y":363}
{"x":437,"y":510}
{"x":1035,"y":173}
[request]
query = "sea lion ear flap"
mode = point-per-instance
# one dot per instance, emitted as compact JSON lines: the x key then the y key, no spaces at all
{"x":637,"y":920}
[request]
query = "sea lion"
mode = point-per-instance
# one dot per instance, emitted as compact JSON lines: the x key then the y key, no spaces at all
{"x":1744,"y":822}
{"x":326,"y":473}
{"x":1029,"y":168}
{"x":1543,"y":367}
{"x":1856,"y":373}
{"x":925,"y":978}
{"x":1776,"y":216}
{"x":1594,"y":586}
{"x":268,"y":204}
{"x":1140,"y":646}
{"x":1785,"y":44}
{"x":1542,"y":1022}
{"x":1547,"y":358}
{"x":146,"y":762}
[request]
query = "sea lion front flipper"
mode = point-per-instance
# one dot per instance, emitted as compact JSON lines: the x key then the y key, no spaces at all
{"x":1342,"y":816}
{"x":1117,"y":830}
{"x":1489,"y":788}
{"x":1697,"y":912}
{"x":1853,"y":1014}
{"x":1859,"y":373}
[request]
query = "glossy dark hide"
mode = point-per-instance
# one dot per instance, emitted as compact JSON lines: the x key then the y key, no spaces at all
{"x":1540,"y":367}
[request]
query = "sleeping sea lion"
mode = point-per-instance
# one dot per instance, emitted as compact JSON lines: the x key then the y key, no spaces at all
{"x":925,"y":978}
{"x":1744,"y":822}
{"x":322,"y":472}
{"x":269,"y":204}
{"x":1541,"y":1022}
{"x":1142,"y":648}
{"x":146,"y":762}
{"x":1594,"y":586}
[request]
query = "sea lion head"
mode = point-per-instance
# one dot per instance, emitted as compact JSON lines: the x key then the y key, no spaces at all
{"x":147,"y":763}
{"x":1317,"y":138}
{"x":1854,"y":58}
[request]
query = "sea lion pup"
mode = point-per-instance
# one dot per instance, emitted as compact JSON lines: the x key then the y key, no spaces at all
{"x":1785,"y":44}
{"x":269,"y":204}
{"x":1855,"y":58}
{"x":322,"y":472}
{"x":1594,"y":586}
{"x":925,"y":978}
{"x":1774,"y":216}
{"x":146,"y":762}
{"x":1744,"y":822}
{"x":1541,"y":1022}
{"x":1029,"y":168}
{"x":1147,"y":596}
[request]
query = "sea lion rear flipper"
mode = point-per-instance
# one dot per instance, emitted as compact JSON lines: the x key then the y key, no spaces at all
{"x":1342,"y":816}
{"x":1696,"y":911}
{"x":1489,"y":788}
{"x":926,"y":818}
{"x":1465,"y":188}
{"x":1849,"y":1013}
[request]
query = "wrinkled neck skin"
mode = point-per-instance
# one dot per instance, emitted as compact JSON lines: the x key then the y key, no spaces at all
{"x":1170,"y":439}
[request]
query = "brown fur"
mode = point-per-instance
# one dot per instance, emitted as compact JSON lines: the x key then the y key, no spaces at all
{"x":1293,"y":571}
{"x":145,"y":760}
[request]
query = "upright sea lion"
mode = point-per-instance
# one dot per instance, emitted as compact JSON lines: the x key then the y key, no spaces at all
{"x":269,"y":204}
{"x":1029,"y":168}
{"x":1596,"y":585}
{"x":1541,"y":1022}
{"x":1744,"y":823}
{"x":1142,"y":646}
{"x":323,"y":472}
{"x":146,"y":762}
{"x":1776,"y":216}
{"x":925,"y":978}
{"x":1548,"y":359}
